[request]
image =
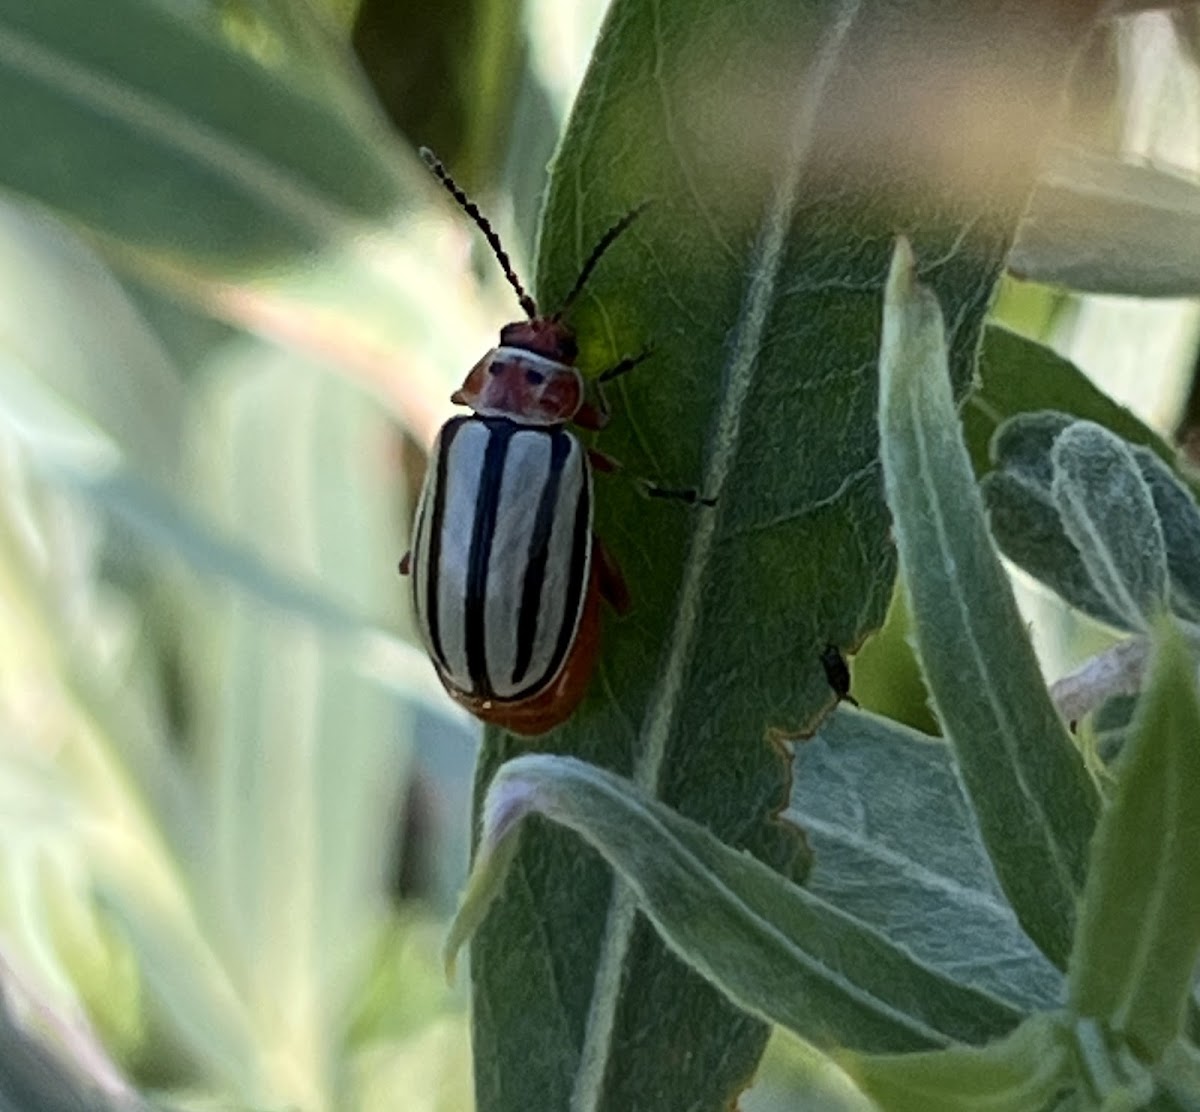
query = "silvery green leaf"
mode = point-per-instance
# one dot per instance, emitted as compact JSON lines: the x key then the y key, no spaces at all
{"x":1035,"y":801}
{"x":1109,"y":516}
{"x":1180,"y":523}
{"x":1019,"y":376}
{"x":1139,"y":928}
{"x":896,"y":845}
{"x":1024,"y":518}
{"x":776,"y":950}
{"x":1103,"y":225}
{"x":1028,"y":530}
{"x":1023,"y":1072}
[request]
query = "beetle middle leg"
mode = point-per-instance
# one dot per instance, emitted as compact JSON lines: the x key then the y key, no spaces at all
{"x":609,"y":466}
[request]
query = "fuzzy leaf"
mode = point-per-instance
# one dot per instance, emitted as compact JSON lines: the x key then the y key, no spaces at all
{"x":1036,"y":803}
{"x":1098,"y":224}
{"x":1018,"y":375}
{"x":896,"y":845}
{"x":1139,"y":928}
{"x":1024,"y":519}
{"x":1179,"y":520}
{"x":1030,"y":531}
{"x":1020,"y":1073}
{"x":776,"y":950}
{"x":1109,"y":516}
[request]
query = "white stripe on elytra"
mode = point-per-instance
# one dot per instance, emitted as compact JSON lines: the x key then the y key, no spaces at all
{"x":563,"y":542}
{"x":526,"y":473}
{"x":660,"y":717}
{"x":464,"y":472}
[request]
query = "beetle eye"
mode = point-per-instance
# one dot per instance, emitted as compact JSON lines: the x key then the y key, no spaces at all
{"x":494,"y":367}
{"x":534,"y":378}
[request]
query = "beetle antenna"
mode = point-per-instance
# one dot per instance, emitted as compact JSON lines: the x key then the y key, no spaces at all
{"x":606,"y":241}
{"x":489,"y":233}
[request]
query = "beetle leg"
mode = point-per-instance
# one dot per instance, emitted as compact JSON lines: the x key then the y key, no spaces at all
{"x":607,"y":465}
{"x":595,"y":414}
{"x":682,"y":494}
{"x":406,"y":563}
{"x":601,"y":462}
{"x":612,"y":583}
{"x":592,"y":416}
{"x":625,"y":366}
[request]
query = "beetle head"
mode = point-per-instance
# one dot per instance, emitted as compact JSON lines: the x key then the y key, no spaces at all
{"x":522,"y":384}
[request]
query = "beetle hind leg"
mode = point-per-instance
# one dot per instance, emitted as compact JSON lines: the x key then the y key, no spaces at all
{"x":612,"y":583}
{"x":675,"y":494}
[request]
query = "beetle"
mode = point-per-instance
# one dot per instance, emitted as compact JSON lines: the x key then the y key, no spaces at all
{"x":507,"y":575}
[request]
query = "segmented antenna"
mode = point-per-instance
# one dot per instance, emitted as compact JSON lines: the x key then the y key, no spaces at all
{"x":606,"y":241}
{"x":469,"y":207}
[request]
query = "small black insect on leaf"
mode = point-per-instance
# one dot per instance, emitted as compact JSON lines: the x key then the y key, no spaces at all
{"x":837,"y":673}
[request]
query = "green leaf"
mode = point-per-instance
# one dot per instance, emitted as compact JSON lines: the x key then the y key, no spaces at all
{"x":80,"y":372}
{"x":1019,"y":375}
{"x":897,"y":846}
{"x":1101,"y":225}
{"x":146,"y":127}
{"x":299,"y":743}
{"x":1111,"y":1079}
{"x":776,"y":950}
{"x":1024,"y":519}
{"x":1179,"y":519}
{"x":1109,"y":516}
{"x":779,"y":159}
{"x":1023,"y":1072}
{"x":1035,"y":801}
{"x":1139,"y":927}
{"x":181,"y":971}
{"x":1030,"y":532}
{"x":1178,"y":1074}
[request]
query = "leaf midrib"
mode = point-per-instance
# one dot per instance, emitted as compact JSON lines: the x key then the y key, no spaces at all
{"x":666,"y":696}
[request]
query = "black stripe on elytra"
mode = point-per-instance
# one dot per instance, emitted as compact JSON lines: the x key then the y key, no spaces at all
{"x":487,"y":505}
{"x":581,"y":551}
{"x":537,"y":556}
{"x":437,"y":514}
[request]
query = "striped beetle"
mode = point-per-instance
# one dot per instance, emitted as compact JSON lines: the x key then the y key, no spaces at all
{"x":506,"y":573}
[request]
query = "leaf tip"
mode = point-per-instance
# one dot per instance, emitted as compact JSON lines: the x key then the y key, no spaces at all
{"x":902,"y":274}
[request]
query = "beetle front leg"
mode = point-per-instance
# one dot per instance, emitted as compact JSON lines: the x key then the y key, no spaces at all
{"x":406,"y":563}
{"x":595,"y":415}
{"x":625,"y":366}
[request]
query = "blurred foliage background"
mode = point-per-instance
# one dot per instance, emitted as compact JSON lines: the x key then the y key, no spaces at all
{"x":233,"y":800}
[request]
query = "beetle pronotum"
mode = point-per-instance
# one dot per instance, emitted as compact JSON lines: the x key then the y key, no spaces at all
{"x":507,"y":575}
